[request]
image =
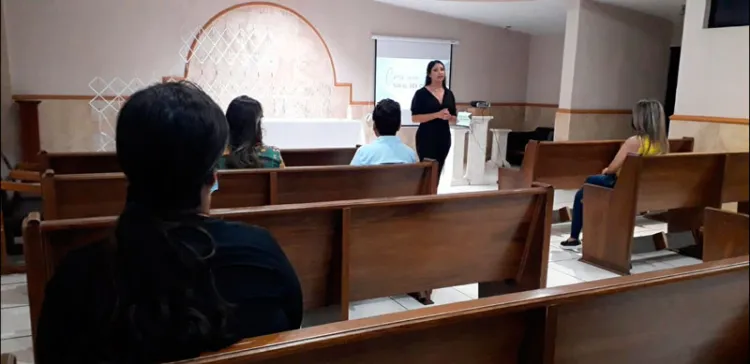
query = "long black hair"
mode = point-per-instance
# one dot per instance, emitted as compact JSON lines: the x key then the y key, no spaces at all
{"x":169,"y":139}
{"x":430,"y":66}
{"x":244,"y":116}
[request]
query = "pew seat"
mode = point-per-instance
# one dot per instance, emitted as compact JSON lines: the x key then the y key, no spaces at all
{"x":103,"y":194}
{"x":355,"y":250}
{"x":687,"y":182}
{"x":687,"y":315}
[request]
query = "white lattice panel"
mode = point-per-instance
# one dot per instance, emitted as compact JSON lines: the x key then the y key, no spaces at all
{"x":109,"y":97}
{"x":267,"y":53}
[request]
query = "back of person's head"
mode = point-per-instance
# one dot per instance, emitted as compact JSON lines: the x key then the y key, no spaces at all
{"x":169,"y":139}
{"x":649,"y":121}
{"x":244,"y":115}
{"x":387,"y":117}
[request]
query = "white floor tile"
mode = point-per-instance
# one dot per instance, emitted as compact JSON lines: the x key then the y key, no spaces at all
{"x":470,"y":290}
{"x":15,"y":322}
{"x":556,"y":279}
{"x":444,"y":296}
{"x":645,"y":266}
{"x":14,"y":295}
{"x":557,"y":254}
{"x":679,"y":260}
{"x":13,"y":278}
{"x":374,"y":307}
{"x":321,"y":316}
{"x":581,"y":270}
{"x":407,"y":302}
{"x":20,"y":347}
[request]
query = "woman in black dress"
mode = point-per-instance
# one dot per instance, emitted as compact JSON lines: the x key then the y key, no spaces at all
{"x":434,"y":108}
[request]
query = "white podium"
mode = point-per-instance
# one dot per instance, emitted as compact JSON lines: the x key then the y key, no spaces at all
{"x":499,"y":148}
{"x":476,"y":152}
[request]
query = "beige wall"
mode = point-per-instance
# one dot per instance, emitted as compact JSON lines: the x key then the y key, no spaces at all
{"x":543,"y":82}
{"x":59,"y":47}
{"x":7,"y":112}
{"x":62,"y":45}
{"x":613,"y":57}
{"x":713,"y":83}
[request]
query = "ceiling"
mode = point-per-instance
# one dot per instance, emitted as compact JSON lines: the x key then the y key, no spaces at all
{"x":530,"y":16}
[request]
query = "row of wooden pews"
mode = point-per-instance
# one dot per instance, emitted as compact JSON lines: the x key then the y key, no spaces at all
{"x":103,"y":194}
{"x":348,"y":243}
{"x":683,"y":184}
{"x":347,"y":251}
{"x":696,"y":314}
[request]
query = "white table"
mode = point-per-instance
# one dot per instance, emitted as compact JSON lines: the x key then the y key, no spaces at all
{"x":312,"y":133}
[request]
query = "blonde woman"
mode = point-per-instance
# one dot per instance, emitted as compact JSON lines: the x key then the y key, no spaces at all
{"x":650,"y":139}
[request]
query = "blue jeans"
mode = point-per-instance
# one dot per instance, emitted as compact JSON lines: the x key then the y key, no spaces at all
{"x":604,"y":180}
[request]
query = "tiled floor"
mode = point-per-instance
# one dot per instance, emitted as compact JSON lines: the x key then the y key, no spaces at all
{"x":564,"y":269}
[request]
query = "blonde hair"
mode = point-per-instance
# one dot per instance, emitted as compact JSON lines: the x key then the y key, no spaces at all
{"x":649,"y":122}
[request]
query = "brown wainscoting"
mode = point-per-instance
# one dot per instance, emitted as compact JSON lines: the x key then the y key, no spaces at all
{"x":709,"y":119}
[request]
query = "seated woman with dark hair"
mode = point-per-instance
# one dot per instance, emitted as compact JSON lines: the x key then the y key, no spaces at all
{"x":172,"y":282}
{"x":246,"y":148}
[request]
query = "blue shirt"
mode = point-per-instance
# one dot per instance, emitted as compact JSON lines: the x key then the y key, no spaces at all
{"x":385,"y":150}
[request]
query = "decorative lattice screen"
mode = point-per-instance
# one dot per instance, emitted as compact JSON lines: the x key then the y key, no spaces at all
{"x":263,"y":51}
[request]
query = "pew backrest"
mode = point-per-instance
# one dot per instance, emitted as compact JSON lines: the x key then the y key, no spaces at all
{"x":682,"y":180}
{"x":566,"y":164}
{"x":345,"y":251}
{"x":106,"y":162}
{"x":103,"y":194}
{"x":686,"y":315}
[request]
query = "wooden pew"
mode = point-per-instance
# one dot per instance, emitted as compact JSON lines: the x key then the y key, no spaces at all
{"x":690,"y":182}
{"x":725,"y":235}
{"x":565,"y":165}
{"x":106,"y":162}
{"x":688,"y":315}
{"x":103,"y":194}
{"x":354,"y":250}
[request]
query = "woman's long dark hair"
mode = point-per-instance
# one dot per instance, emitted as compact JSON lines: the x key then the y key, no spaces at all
{"x":169,"y":139}
{"x":430,"y":66}
{"x":244,"y":116}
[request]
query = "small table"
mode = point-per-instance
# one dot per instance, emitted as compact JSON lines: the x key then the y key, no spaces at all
{"x":499,"y":148}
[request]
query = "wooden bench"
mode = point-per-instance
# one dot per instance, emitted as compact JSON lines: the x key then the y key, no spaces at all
{"x":354,"y":250}
{"x":687,"y":315}
{"x":725,"y":235}
{"x":106,"y":162}
{"x":565,"y":165}
{"x":687,"y":182}
{"x":103,"y":194}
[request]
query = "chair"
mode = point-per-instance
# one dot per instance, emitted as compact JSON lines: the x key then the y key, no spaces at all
{"x":517,"y":141}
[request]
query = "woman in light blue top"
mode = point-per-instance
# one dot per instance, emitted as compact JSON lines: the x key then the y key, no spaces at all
{"x":388,"y":148}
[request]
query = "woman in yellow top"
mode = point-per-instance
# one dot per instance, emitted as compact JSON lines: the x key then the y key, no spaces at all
{"x":650,"y":139}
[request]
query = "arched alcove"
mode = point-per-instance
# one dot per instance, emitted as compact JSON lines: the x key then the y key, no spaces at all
{"x":271,"y":53}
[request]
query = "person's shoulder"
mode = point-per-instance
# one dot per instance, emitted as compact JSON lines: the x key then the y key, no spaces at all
{"x":228,"y":232}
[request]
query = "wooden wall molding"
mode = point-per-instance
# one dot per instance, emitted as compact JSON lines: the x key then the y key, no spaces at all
{"x":595,"y":111}
{"x":710,"y":119}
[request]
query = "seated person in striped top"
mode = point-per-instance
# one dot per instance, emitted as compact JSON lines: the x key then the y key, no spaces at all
{"x":246,"y":148}
{"x":388,"y":148}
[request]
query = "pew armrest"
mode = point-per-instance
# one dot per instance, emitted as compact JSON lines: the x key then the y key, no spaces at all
{"x":600,"y":223}
{"x":725,"y":234}
{"x":509,"y":179}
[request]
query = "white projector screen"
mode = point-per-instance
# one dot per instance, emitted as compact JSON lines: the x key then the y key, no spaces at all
{"x":401,"y":67}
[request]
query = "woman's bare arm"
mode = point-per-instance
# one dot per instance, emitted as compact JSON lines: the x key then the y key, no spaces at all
{"x":423,"y":118}
{"x":630,"y":146}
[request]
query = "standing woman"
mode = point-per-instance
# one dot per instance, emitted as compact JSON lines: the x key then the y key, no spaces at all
{"x":434,"y":109}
